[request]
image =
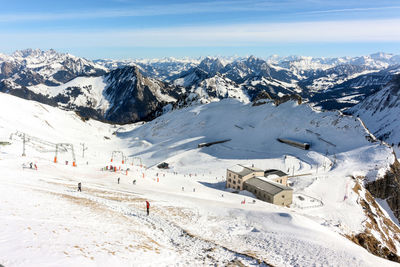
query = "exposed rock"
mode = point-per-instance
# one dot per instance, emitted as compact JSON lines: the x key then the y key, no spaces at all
{"x":377,"y":223}
{"x":286,"y":98}
{"x":134,"y":97}
{"x":369,"y":242}
{"x":388,"y":188}
{"x":7,"y":69}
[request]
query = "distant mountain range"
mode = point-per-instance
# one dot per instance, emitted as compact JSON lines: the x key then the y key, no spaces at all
{"x":124,"y":91}
{"x":328,"y":83}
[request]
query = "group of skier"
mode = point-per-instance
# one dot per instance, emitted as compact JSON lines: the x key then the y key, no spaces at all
{"x":31,"y":166}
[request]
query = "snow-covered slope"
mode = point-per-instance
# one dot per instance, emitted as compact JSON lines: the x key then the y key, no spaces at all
{"x":380,"y":112}
{"x":193,"y":219}
{"x":123,"y":95}
{"x":31,"y":67}
{"x":76,"y":83}
{"x":91,"y":92}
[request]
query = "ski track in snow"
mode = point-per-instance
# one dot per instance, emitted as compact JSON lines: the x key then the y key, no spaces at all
{"x":47,"y":223}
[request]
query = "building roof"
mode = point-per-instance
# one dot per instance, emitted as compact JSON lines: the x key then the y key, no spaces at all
{"x":276,"y":172}
{"x":267,"y":186}
{"x":244,"y":170}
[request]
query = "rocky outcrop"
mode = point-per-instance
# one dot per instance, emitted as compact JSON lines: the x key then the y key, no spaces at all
{"x":286,"y":98}
{"x":380,"y":234}
{"x":388,"y":188}
{"x":134,"y":97}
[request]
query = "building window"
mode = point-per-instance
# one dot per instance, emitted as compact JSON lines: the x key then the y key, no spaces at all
{"x":255,"y":191}
{"x":234,"y":182}
{"x":238,"y":187}
{"x":229,"y":180}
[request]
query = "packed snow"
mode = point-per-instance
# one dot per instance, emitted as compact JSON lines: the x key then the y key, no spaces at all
{"x":193,"y":219}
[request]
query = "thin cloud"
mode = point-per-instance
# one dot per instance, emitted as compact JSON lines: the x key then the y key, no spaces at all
{"x":348,"y":10}
{"x":240,"y":35}
{"x":151,"y":10}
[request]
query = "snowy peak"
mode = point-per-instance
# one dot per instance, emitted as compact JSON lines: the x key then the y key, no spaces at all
{"x":217,"y":88}
{"x":191,"y":77}
{"x":380,"y":112}
{"x":163,"y":69}
{"x":134,"y":97}
{"x":329,"y":83}
{"x":211,"y":65}
{"x":123,"y":95}
{"x":247,"y":68}
{"x":52,"y":67}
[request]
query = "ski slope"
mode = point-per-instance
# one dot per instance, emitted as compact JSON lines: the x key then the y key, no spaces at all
{"x":193,"y":220}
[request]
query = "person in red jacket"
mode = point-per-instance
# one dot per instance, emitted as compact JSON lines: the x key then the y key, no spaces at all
{"x":147,"y":207}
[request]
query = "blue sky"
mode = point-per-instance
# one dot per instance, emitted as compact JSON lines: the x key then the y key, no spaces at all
{"x":156,"y":28}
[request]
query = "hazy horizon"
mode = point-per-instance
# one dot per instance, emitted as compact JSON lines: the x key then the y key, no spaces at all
{"x":176,"y":28}
{"x":198,"y":57}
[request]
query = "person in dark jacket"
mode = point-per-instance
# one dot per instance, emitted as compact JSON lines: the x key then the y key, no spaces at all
{"x":118,"y":180}
{"x":79,"y":187}
{"x":147,"y":207}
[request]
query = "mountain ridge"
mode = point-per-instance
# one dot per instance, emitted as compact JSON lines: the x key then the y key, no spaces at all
{"x":327,"y":83}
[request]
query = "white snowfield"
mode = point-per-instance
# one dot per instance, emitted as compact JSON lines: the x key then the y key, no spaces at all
{"x":92,"y":91}
{"x":193,"y":220}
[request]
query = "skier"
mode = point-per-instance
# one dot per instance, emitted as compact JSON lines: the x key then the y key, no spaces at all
{"x":147,"y":207}
{"x":134,"y":182}
{"x":194,"y":189}
{"x":183,"y":189}
{"x":30,"y":164}
{"x":79,"y":187}
{"x":35,"y":166}
{"x":118,"y":180}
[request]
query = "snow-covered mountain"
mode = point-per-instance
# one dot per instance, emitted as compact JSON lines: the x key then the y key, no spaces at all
{"x":162,"y":69}
{"x":194,"y":219}
{"x":300,"y":64}
{"x":244,"y":79}
{"x":380,"y":112}
{"x":122,"y":95}
{"x":217,"y":88}
{"x":32,"y":67}
{"x":78,"y":84}
{"x":330,"y":83}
